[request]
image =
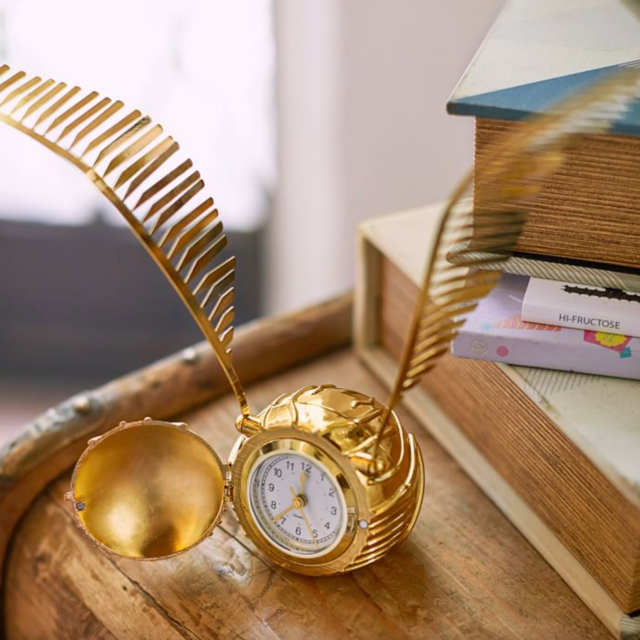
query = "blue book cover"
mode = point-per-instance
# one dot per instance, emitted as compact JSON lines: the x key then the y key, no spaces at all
{"x":541,"y":51}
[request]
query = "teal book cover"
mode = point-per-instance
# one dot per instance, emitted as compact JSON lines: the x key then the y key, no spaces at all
{"x":541,"y":51}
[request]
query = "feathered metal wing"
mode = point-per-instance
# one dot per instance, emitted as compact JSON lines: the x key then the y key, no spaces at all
{"x":475,"y":238}
{"x":158,"y":192}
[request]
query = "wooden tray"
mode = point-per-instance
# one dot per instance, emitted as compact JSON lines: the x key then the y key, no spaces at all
{"x":464,"y":572}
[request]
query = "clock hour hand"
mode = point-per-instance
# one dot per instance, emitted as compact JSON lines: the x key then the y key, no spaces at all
{"x":303,"y":479}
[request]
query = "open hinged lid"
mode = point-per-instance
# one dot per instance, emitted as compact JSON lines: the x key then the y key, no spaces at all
{"x":148,"y":496}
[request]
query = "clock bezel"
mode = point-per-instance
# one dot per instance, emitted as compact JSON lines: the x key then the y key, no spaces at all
{"x":292,"y":440}
{"x":276,"y":452}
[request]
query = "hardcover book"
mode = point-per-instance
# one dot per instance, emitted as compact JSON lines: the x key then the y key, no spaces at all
{"x":540,"y":52}
{"x":581,"y":307}
{"x":556,"y":451}
{"x":499,"y":331}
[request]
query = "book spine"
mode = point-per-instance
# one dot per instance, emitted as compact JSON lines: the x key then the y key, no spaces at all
{"x":612,"y":360}
{"x":587,"y":317}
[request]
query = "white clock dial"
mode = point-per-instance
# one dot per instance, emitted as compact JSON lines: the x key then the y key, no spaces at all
{"x":297,"y":503}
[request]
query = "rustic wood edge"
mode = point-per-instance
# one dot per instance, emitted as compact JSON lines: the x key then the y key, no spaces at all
{"x":52,"y":442}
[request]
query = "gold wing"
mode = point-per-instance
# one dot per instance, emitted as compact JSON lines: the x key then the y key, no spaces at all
{"x":474,"y":239}
{"x":158,"y":192}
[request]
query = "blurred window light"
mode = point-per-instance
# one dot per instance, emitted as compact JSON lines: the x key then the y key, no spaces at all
{"x":202,"y":68}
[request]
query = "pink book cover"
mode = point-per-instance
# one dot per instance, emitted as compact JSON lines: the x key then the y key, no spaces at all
{"x":496,"y":332}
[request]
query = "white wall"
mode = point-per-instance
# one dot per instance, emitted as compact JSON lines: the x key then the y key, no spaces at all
{"x":362,"y":87}
{"x":202,"y":68}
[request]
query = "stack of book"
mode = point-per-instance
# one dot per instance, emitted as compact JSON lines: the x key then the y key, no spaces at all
{"x":543,"y":407}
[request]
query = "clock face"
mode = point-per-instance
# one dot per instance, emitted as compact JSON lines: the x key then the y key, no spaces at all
{"x":297,"y":503}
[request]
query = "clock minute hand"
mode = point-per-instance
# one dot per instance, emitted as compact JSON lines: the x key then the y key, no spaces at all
{"x":282,"y":514}
{"x":295,"y":504}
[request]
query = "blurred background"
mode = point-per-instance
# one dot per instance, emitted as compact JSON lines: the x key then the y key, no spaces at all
{"x":305,"y":117}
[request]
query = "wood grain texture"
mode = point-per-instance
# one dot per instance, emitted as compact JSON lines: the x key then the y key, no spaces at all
{"x":465,"y":572}
{"x":54,"y":441}
{"x":587,"y":513}
{"x":589,"y":209}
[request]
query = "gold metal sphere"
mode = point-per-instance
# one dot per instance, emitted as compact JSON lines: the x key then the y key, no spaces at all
{"x":350,"y":421}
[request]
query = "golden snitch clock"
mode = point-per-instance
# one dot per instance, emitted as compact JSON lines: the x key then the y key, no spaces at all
{"x":293,"y":485}
{"x":323,"y":480}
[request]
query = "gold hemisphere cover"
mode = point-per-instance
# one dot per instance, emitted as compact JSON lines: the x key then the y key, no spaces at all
{"x":148,"y":489}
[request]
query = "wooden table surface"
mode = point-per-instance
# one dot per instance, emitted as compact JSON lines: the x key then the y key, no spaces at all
{"x":465,"y":572}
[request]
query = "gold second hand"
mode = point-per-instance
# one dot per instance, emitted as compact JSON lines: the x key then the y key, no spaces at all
{"x":303,"y":477}
{"x":304,"y":517}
